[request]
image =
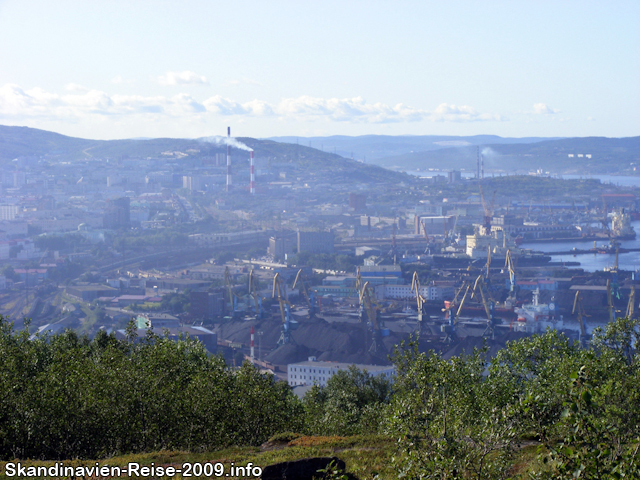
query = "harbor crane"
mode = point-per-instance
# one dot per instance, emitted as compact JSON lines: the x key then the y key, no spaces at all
{"x":614,"y":275}
{"x":308,"y":294}
{"x":632,"y":303}
{"x":450,"y":328}
{"x":488,"y":264}
{"x":415,"y":286}
{"x":508,"y":264}
{"x":358,"y":282}
{"x":231,"y":295}
{"x":605,"y":220}
{"x":285,"y":311}
{"x":579,"y":308}
{"x":374,"y":323}
{"x":426,"y":236}
{"x":478,"y":287}
{"x":488,"y":210}
{"x":253,"y":293}
{"x":610,"y":307}
{"x":394,"y":245}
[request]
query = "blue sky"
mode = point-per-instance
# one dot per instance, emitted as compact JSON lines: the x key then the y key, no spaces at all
{"x":119,"y":69}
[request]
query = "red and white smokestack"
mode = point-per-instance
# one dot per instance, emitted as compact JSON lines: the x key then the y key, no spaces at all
{"x":252,"y":349}
{"x":228,"y":161}
{"x":252,"y":185}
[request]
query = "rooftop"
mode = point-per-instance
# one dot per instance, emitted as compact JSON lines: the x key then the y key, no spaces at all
{"x":340,"y":365}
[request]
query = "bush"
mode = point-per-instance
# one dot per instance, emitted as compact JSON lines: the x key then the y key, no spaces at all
{"x":66,"y":396}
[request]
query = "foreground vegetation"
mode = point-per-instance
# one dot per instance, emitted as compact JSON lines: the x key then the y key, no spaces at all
{"x":543,"y":408}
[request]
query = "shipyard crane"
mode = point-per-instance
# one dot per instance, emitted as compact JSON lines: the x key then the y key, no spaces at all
{"x":488,"y":210}
{"x":253,"y":292}
{"x":231,"y":295}
{"x":605,"y":219}
{"x":308,"y":294}
{"x":394,"y":246}
{"x":455,"y":224}
{"x":614,"y":275}
{"x":374,"y":324}
{"x":452,"y":305}
{"x":612,"y":312}
{"x":285,"y":311}
{"x":508,"y":264}
{"x":488,"y":264}
{"x":450,"y":328}
{"x":579,"y":308}
{"x":415,"y":286}
{"x":478,"y":286}
{"x":358,"y":282}
{"x":426,"y":236}
{"x":46,"y":252}
{"x":631,"y":305}
{"x":445,"y":233}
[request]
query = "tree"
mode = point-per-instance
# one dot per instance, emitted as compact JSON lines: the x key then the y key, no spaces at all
{"x":59,"y":391}
{"x":351,"y":403}
{"x":446,"y":420}
{"x":591,"y":447}
{"x":8,"y":272}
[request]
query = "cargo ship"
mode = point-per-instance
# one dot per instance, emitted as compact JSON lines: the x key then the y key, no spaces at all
{"x":621,"y":228}
{"x":536,"y":317}
{"x":495,"y":240}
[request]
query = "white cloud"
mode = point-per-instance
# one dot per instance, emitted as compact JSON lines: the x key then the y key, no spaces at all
{"x":80,"y":102}
{"x":544,"y":109}
{"x":181,"y":78}
{"x":16,"y":103}
{"x":462,"y":113}
{"x":358,"y":110}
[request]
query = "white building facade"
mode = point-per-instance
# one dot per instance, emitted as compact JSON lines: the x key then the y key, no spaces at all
{"x":318,"y":373}
{"x":403,"y":292}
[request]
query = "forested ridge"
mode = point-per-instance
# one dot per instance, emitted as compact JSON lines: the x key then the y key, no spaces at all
{"x":66,"y":397}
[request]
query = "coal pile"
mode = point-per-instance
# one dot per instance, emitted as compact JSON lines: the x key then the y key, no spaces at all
{"x":336,"y":342}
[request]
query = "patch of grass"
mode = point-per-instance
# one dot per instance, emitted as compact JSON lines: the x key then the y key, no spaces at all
{"x":284,"y":437}
{"x":368,"y":457}
{"x":365,"y":457}
{"x":316,"y":441}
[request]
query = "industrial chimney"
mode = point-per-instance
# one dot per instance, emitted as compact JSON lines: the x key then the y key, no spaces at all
{"x":252,"y":351}
{"x":228,"y":161}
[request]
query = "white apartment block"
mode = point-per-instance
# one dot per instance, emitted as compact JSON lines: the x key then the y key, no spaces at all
{"x":8,"y":212}
{"x":402,"y":292}
{"x":318,"y":373}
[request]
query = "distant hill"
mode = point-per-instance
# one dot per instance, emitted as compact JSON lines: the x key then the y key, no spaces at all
{"x":373,"y":147}
{"x":24,"y":142}
{"x":608,"y":155}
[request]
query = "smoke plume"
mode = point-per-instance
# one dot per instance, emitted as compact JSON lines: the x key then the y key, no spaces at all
{"x":232,"y":142}
{"x":489,"y":152}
